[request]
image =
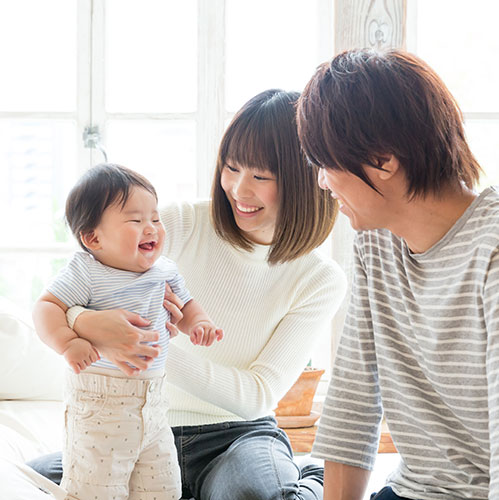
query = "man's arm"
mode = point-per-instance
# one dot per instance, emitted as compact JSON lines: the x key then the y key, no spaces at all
{"x":344,"y":482}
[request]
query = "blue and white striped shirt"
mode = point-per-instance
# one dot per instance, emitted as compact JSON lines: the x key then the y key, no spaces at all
{"x":87,"y":282}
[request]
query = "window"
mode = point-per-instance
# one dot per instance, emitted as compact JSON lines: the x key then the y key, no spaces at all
{"x":458,"y":38}
{"x":157,"y":83}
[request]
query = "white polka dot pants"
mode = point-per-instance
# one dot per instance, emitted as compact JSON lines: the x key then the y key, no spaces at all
{"x":118,"y":444}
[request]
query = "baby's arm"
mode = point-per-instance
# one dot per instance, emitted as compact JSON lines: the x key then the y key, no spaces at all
{"x":197,"y":324}
{"x":49,"y":317}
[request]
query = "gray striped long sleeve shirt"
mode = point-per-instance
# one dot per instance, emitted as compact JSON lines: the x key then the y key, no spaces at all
{"x":421,"y":345}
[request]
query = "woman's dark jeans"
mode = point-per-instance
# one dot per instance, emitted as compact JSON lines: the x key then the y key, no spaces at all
{"x":231,"y":461}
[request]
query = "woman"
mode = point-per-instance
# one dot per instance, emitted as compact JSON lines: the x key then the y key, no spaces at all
{"x":248,"y":257}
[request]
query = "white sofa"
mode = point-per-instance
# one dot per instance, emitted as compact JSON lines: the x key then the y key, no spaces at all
{"x":31,"y":412}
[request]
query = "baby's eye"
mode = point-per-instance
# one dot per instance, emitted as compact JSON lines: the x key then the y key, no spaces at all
{"x":155,"y":221}
{"x":134,"y":220}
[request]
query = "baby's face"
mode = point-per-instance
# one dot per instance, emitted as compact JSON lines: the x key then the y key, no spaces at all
{"x":130,"y":237}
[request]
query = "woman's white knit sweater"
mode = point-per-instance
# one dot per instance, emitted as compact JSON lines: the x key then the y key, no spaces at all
{"x":271,"y":315}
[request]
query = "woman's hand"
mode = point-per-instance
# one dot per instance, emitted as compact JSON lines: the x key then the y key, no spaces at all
{"x":117,"y":335}
{"x":174,"y":306}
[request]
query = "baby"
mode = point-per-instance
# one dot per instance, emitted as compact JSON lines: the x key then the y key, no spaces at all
{"x":117,"y":441}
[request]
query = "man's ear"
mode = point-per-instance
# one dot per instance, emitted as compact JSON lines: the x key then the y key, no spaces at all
{"x":90,"y":240}
{"x":387,"y":167}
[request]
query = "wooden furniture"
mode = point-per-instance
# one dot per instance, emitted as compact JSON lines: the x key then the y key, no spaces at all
{"x":302,"y":439}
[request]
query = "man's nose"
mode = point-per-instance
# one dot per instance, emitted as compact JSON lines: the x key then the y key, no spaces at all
{"x":321,"y":179}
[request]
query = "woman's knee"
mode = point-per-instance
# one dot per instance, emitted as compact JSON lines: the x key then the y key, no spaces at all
{"x":49,"y":466}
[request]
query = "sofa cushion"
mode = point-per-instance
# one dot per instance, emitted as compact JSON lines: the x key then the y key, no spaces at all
{"x":28,"y":368}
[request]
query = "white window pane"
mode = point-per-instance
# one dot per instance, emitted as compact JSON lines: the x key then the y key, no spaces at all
{"x":483,"y":138}
{"x":162,"y":151}
{"x":22,"y":278}
{"x":38,"y":55}
{"x":37,"y":169}
{"x":151,"y":56}
{"x":458,"y":38}
{"x":269,"y":45}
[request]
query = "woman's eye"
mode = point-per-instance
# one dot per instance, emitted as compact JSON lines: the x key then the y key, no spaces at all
{"x":263,"y":178}
{"x":232,"y":169}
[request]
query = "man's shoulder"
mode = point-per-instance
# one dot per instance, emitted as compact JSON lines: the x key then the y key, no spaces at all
{"x":488,"y":207}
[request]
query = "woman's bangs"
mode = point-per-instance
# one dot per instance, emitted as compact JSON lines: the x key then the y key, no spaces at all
{"x":252,"y":146}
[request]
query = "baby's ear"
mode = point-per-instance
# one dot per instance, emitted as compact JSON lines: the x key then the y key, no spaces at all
{"x":90,"y":240}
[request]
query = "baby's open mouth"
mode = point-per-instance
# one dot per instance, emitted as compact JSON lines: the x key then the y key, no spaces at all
{"x":148,"y":245}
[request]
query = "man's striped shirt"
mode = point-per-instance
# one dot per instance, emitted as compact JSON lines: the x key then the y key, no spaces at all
{"x":421,"y":345}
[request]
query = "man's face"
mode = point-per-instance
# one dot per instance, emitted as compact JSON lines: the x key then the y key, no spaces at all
{"x":358,"y":201}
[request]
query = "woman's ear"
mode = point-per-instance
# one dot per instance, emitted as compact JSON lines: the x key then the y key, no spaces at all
{"x":90,"y":240}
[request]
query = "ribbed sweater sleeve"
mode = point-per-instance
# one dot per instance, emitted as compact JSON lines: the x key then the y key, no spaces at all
{"x":254,"y":391}
{"x":271,"y":315}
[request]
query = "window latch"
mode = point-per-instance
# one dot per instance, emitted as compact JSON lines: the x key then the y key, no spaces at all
{"x":92,"y":140}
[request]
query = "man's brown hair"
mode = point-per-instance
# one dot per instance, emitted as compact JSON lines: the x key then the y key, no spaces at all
{"x":263,"y":135}
{"x":365,"y":104}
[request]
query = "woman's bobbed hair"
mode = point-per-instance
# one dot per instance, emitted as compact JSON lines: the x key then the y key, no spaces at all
{"x":263,"y":136}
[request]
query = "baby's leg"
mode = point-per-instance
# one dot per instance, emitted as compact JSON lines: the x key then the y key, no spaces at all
{"x":157,"y":473}
{"x":102,"y":439}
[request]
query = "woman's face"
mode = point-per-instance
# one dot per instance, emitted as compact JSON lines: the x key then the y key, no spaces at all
{"x":254,"y":200}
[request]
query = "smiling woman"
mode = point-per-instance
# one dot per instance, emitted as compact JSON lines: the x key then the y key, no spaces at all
{"x":258,"y":167}
{"x":254,"y":199}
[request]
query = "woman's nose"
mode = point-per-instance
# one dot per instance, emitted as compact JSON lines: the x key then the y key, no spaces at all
{"x":242,"y":188}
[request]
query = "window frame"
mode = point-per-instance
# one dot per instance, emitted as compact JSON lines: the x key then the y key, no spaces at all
{"x":210,"y":117}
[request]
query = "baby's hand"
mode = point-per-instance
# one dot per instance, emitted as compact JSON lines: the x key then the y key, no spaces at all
{"x":205,"y":333}
{"x":80,"y":354}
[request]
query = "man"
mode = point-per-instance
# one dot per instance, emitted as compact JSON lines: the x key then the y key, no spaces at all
{"x":421,"y":339}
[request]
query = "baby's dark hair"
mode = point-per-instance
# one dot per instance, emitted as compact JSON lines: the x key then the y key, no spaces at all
{"x":100,"y":187}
